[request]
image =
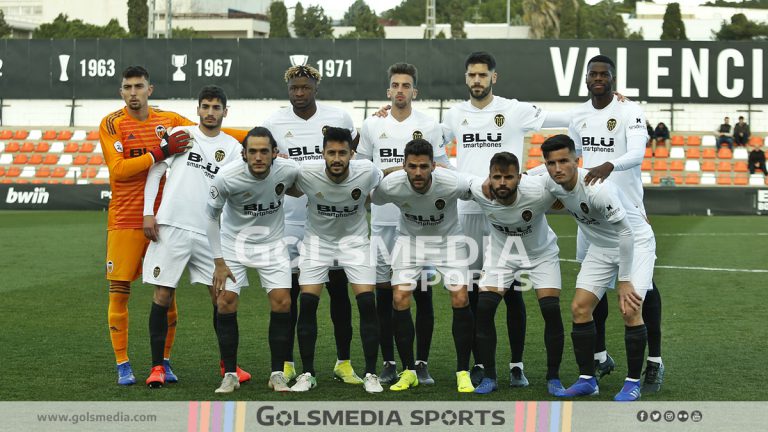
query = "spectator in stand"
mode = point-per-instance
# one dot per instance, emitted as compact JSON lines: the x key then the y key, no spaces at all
{"x":756,"y":158}
{"x":724,"y":134}
{"x":741,"y":132}
{"x":660,"y":135}
{"x":650,"y":133}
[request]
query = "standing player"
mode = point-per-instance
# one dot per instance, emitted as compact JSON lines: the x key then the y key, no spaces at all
{"x":429,"y":234}
{"x":251,"y":195}
{"x":484,"y":125}
{"x":383,"y":139}
{"x":520,"y":241}
{"x":178,"y":232}
{"x":337,"y":235}
{"x":610,"y":135}
{"x":132,"y":139}
{"x":621,"y":243}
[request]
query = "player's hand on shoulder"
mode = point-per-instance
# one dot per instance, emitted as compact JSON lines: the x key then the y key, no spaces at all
{"x":383,"y":111}
{"x":282,"y":155}
{"x":150,"y":228}
{"x":171,"y":144}
{"x":598,"y":174}
{"x":621,"y":97}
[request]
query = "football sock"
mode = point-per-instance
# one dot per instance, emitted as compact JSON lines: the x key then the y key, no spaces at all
{"x":516,"y":321}
{"x":635,"y":339}
{"x":425,"y":322}
{"x":473,"y":296}
{"x":600,"y":316}
{"x":341,"y":312}
{"x":306,"y":330}
{"x":279,"y":334}
{"x":158,"y":328}
{"x":295,"y":291}
{"x":215,"y":316}
{"x":463,"y":330}
{"x":652,"y":319}
{"x":369,"y":329}
{"x":554,"y":334}
{"x":485,"y":336}
{"x":170,"y":337}
{"x":402,"y":323}
{"x":117,"y":318}
{"x":583,"y":338}
{"x":384,"y":311}
{"x":229,"y":335}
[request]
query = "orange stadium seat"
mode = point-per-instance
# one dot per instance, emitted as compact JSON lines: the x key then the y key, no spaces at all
{"x":678,"y":178}
{"x":532,"y":163}
{"x":59,"y":172}
{"x":51,"y":159}
{"x":12,"y":147}
{"x":64,"y":135}
{"x":648,"y":152}
{"x":724,"y":166}
{"x":657,"y":179}
{"x":6,"y":134}
{"x":93,"y":135}
{"x":20,"y":159}
{"x":22,"y":181}
{"x":756,"y":140}
{"x":2,"y":171}
{"x":35,"y":159}
{"x":709,"y":153}
{"x":80,"y":160}
{"x":537,"y":139}
{"x":660,"y":165}
{"x":38,"y":181}
{"x":71,"y":148}
{"x":42,"y":147}
{"x":87,"y":148}
{"x":21,"y":134}
{"x":693,"y":153}
{"x":741,"y":180}
{"x":51,"y":181}
{"x":646,"y":165}
{"x":13,"y":172}
{"x":724,"y":179}
{"x":676,"y":165}
{"x":661,"y":152}
{"x":43,"y":172}
{"x":740,"y":167}
{"x":677,"y":140}
{"x":535,"y":151}
{"x":694,"y":140}
{"x":724,"y":153}
{"x":89,"y":173}
{"x":692,"y":179}
{"x":28,"y":147}
{"x":96,"y":160}
{"x":49,"y":135}
{"x":708,"y":166}
{"x":67,"y":182}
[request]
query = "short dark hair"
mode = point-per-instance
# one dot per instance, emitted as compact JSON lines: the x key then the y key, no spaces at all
{"x":336,"y":134}
{"x":261,"y":132}
{"x":603,"y":59}
{"x":741,"y":117}
{"x":212,"y":92}
{"x":481,"y":57}
{"x":557,"y":142}
{"x":405,"y":69}
{"x":503,"y":160}
{"x":419,"y":147}
{"x":135,"y":71}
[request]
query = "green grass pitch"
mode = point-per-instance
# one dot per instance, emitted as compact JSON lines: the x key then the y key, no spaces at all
{"x":55,"y":342}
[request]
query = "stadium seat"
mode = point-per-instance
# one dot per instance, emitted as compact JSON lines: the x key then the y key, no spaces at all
{"x":12,"y":147}
{"x":89,"y":173}
{"x":52,"y":182}
{"x":724,"y":153}
{"x":708,"y":141}
{"x":678,"y":178}
{"x":676,"y":165}
{"x":741,"y":180}
{"x":35,"y":159}
{"x":97,"y":149}
{"x":537,"y":139}
{"x":660,"y":165}
{"x":740,"y":153}
{"x":20,"y":159}
{"x":59,"y":172}
{"x":51,"y":159}
{"x":709,"y":153}
{"x":724,"y":180}
{"x":693,"y":153}
{"x":49,"y":135}
{"x":78,"y":135}
{"x":677,"y":140}
{"x":724,"y":166}
{"x":103,"y":173}
{"x":56,"y":147}
{"x":6,"y":159}
{"x":708,"y":179}
{"x":67,"y":182}
{"x":64,"y":135}
{"x":6,"y":181}
{"x":677,"y":153}
{"x":13,"y":172}
{"x":35,"y":134}
{"x":532,"y":163}
{"x":27,"y":172}
{"x":646,"y":165}
{"x":692,"y":166}
{"x":22,"y":181}
{"x":2,"y":171}
{"x":74,"y":172}
{"x":39,"y":181}
{"x":694,"y":140}
{"x":21,"y":134}
{"x":43,"y":172}
{"x":42,"y":147}
{"x":6,"y":135}
{"x":87,"y":147}
{"x":71,"y":148}
{"x":535,"y":151}
{"x":92,"y":135}
{"x":648,"y":152}
{"x":756,"y":179}
{"x":80,"y":160}
{"x":740,"y":167}
{"x":755,"y":140}
{"x":661,"y":152}
{"x":692,"y":179}
{"x":645,"y":177}
{"x":28,"y":147}
{"x":657,"y":179}
{"x":96,"y":160}
{"x":65,"y":159}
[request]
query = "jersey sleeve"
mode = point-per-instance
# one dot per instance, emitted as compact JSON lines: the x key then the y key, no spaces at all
{"x":238,"y":134}
{"x":463,"y":185}
{"x":445,"y":127}
{"x":435,"y":138}
{"x":217,"y":197}
{"x":529,"y":117}
{"x":376,"y":176}
{"x":381,"y":195}
{"x":635,"y":122}
{"x":347,"y":123}
{"x":605,"y":198}
{"x":180,"y":120}
{"x":365,"y":146}
{"x":119,"y":167}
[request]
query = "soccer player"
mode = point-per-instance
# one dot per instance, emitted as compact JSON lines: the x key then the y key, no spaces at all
{"x":610,"y":135}
{"x":132,"y":139}
{"x":337,"y":234}
{"x":178,"y":232}
{"x":520,"y":241}
{"x":251,"y":193}
{"x":429,"y":234}
{"x":621,"y":243}
{"x":383,"y":139}
{"x":482,"y":126}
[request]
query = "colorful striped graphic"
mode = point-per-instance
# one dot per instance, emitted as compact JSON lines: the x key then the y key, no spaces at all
{"x":543,"y":416}
{"x":216,"y":417}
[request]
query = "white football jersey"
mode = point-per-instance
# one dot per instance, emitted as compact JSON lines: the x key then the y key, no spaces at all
{"x":432,"y":213}
{"x":481,"y":133}
{"x":337,"y":210}
{"x":192,"y":173}
{"x":601,"y":136}
{"x":525,"y":218}
{"x":384,"y":140}
{"x":596,"y":207}
{"x":302,"y":140}
{"x":249,"y":202}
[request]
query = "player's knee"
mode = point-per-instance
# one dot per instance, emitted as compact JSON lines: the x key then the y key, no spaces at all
{"x":581,"y":311}
{"x":633,"y":318}
{"x":459,"y":299}
{"x":280,"y":302}
{"x":227,"y":302}
{"x":401,"y":299}
{"x":163,"y":296}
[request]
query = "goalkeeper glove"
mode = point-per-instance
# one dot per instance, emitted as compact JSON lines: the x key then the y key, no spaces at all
{"x":178,"y":142}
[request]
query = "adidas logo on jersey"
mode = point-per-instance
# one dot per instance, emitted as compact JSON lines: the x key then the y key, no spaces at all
{"x":289,"y":134}
{"x":383,"y":135}
{"x":465,"y":123}
{"x":131,"y":136}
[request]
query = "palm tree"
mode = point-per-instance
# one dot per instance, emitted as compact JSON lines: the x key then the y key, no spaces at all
{"x":542,"y":17}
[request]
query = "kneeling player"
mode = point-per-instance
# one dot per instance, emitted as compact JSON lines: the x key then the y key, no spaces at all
{"x":621,"y":243}
{"x":337,"y":234}
{"x":251,"y":235}
{"x":520,"y":241}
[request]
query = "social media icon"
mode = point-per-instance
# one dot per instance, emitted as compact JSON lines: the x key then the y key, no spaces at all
{"x":696,"y":416}
{"x":682,"y":416}
{"x":669,"y":416}
{"x":642,"y":416}
{"x":655,"y":416}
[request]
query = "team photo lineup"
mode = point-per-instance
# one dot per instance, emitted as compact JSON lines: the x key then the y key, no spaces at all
{"x":290,"y":199}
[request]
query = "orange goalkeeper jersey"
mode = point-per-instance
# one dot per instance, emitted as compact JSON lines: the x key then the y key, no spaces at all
{"x":125,"y":142}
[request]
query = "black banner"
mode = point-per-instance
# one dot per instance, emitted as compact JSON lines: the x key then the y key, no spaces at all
{"x":658,"y":71}
{"x":703,"y":201}
{"x":54,"y":197}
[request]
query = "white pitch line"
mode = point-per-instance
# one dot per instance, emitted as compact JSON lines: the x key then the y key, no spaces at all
{"x":692,"y":234}
{"x":695,"y":268}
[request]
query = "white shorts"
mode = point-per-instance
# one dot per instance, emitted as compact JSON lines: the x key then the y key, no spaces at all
{"x":271,"y":260}
{"x":383,"y":238}
{"x":542,"y":273}
{"x":581,"y":245}
{"x":352,"y":254}
{"x":601,"y":267}
{"x":449,"y":257}
{"x":175,"y":249}
{"x":476,"y":228}
{"x":293,"y":236}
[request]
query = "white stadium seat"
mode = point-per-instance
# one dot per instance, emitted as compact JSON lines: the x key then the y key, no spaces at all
{"x":757,"y":179}
{"x":677,"y":153}
{"x":6,"y":159}
{"x":35,"y":135}
{"x":27,"y":172}
{"x":708,"y":179}
{"x":56,"y":147}
{"x":692,"y":166}
{"x":645,"y":177}
{"x":65,"y":159}
{"x":740,"y":153}
{"x":103,"y":173}
{"x":79,"y":135}
{"x":708,"y":141}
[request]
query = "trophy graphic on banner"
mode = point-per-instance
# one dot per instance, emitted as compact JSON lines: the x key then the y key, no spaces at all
{"x":299,"y":59}
{"x":179,"y":61}
{"x":63,"y":61}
